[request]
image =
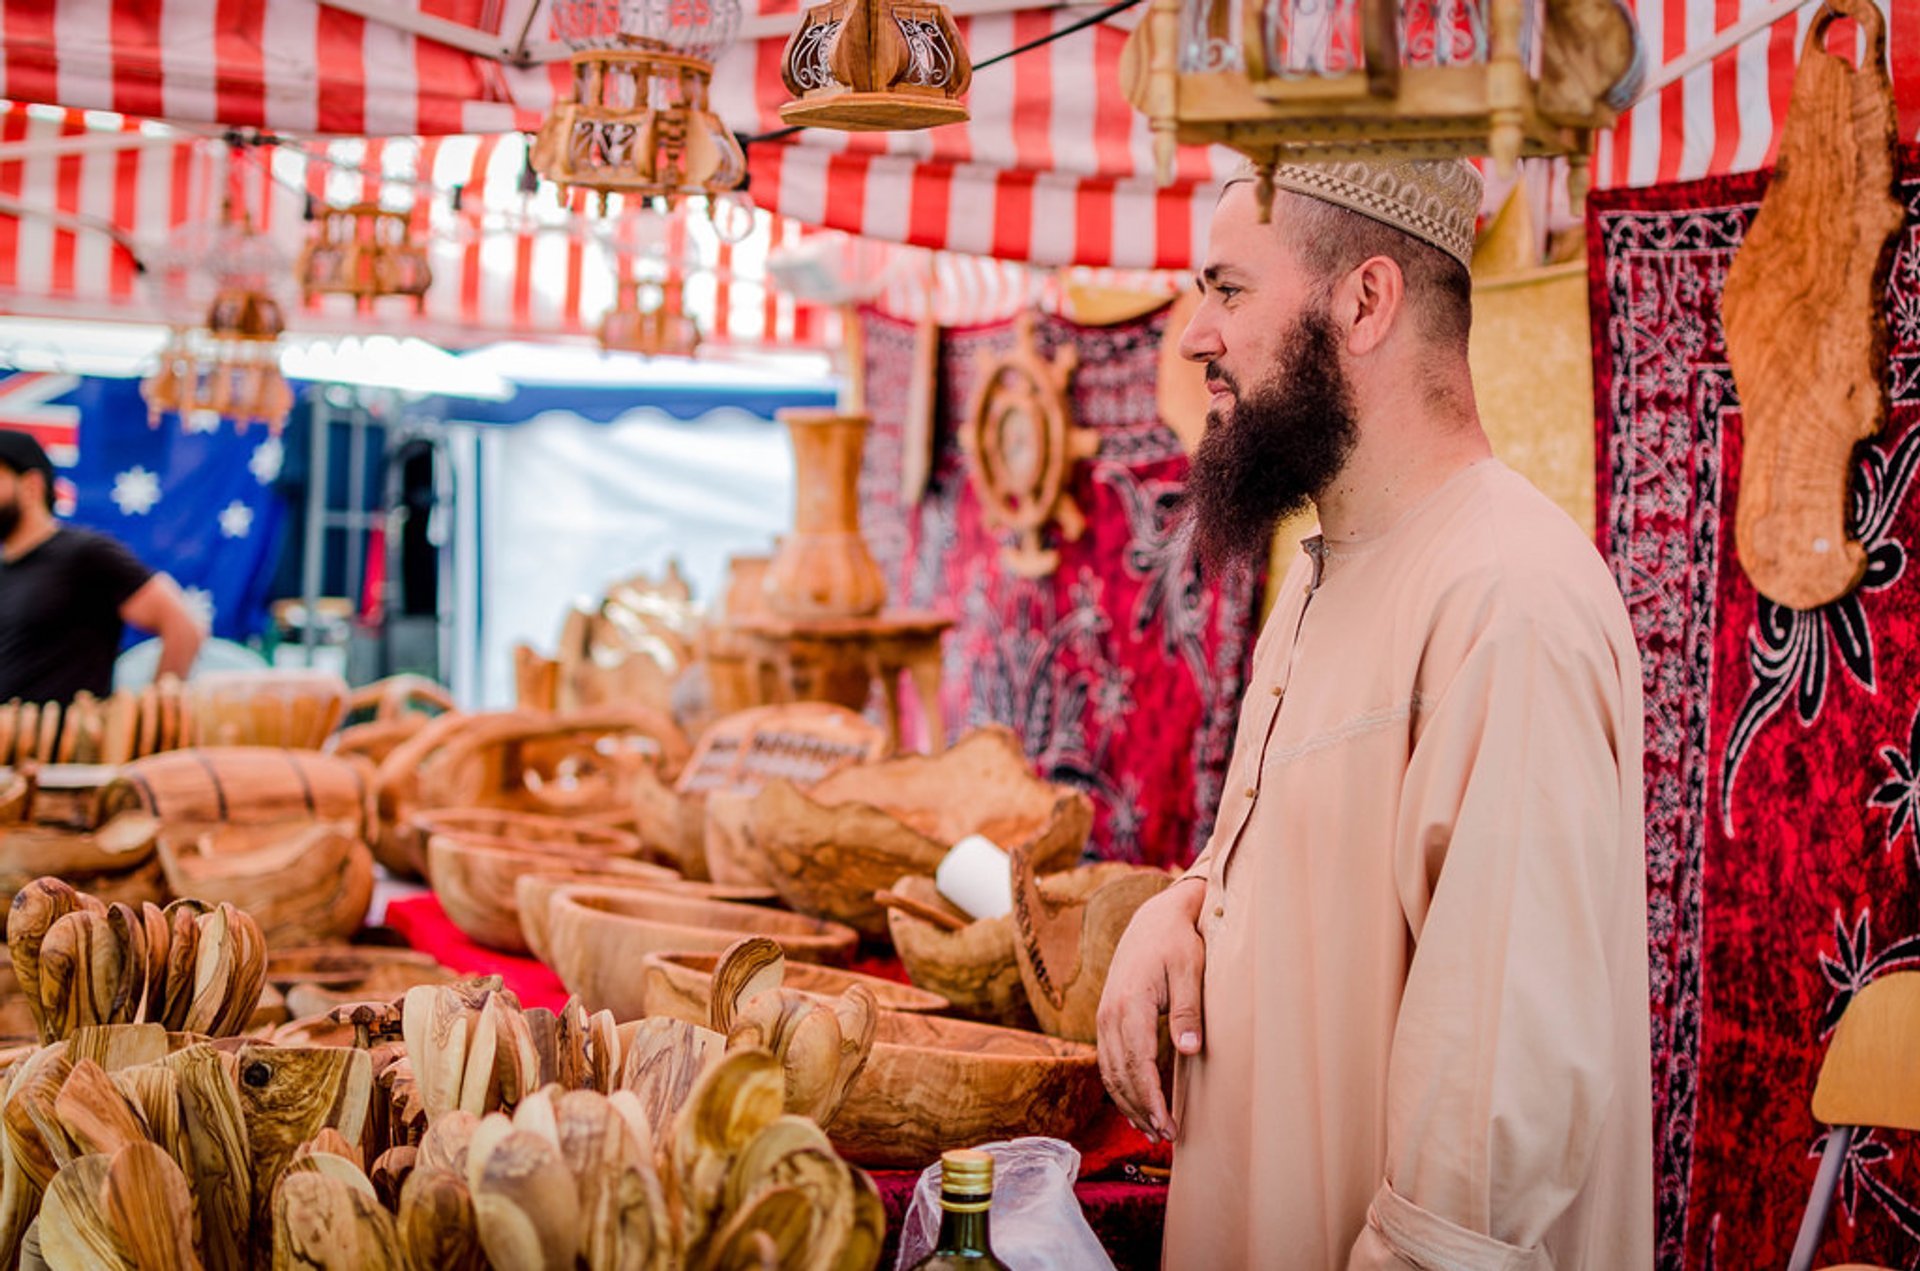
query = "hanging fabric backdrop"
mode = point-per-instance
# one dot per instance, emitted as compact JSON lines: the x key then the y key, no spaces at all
{"x":1783,"y":844}
{"x":196,"y":502}
{"x":1122,"y":671}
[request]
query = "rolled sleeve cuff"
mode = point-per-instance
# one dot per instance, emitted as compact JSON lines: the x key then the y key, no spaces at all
{"x":1401,"y":1235}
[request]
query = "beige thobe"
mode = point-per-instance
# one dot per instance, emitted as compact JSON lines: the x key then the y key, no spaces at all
{"x":1426,"y":1034}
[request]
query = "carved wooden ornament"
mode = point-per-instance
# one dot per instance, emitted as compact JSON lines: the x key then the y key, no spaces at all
{"x":876,"y":65}
{"x":1021,"y":446}
{"x":1806,"y":336}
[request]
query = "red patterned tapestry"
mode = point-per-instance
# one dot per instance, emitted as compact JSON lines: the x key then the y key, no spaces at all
{"x":1122,"y":671}
{"x":1783,"y":807}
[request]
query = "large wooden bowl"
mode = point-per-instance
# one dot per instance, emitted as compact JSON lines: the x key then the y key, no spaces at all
{"x":533,"y":890}
{"x":304,"y":882}
{"x":599,"y":937}
{"x":829,"y":848}
{"x":473,"y":856}
{"x":680,"y":985}
{"x":975,"y":967}
{"x":931,"y":1084}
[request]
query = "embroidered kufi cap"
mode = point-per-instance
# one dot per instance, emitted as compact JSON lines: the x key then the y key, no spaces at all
{"x":1435,"y":200}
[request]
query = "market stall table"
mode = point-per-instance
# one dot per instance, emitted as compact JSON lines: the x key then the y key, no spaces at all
{"x":1126,"y":1209}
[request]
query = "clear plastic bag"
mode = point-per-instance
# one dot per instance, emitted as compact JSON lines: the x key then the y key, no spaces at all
{"x":1035,"y":1222}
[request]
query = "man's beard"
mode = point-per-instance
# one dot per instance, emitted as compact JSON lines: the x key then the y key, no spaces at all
{"x":1265,"y":458}
{"x":9,"y":517}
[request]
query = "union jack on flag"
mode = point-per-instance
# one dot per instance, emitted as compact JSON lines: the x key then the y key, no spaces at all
{"x":26,"y":404}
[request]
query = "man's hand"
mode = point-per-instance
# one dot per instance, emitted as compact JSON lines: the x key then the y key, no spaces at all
{"x":1156,"y":971}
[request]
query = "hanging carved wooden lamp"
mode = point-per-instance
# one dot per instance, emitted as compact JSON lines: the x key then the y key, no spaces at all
{"x":638,"y":122}
{"x":874,"y":66}
{"x":663,"y":328}
{"x":1021,"y":446}
{"x":364,"y":251}
{"x":1300,"y":80}
{"x":229,"y":365}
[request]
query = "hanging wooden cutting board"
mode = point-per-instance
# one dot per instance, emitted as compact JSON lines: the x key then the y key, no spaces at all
{"x":1806,"y":337}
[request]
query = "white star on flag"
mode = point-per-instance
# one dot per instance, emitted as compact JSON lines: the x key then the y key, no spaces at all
{"x":200,"y":421}
{"x":236,"y":519}
{"x":266,"y":461}
{"x":135,"y":491}
{"x":199,"y":603}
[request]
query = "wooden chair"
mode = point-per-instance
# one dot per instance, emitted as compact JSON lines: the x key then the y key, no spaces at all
{"x":1867,"y":1079}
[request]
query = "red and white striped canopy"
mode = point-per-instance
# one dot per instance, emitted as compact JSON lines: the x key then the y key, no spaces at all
{"x":1053,"y":168}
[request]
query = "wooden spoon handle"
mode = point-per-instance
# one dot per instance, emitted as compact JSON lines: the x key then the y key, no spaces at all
{"x":919,"y":909}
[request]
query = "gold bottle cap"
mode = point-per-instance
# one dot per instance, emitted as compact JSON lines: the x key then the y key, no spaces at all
{"x":964,"y":1172}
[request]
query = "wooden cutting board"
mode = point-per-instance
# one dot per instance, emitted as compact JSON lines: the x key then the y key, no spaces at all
{"x":1803,"y":313}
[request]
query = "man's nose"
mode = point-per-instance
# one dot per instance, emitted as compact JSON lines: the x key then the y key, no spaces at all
{"x":1200,"y":342}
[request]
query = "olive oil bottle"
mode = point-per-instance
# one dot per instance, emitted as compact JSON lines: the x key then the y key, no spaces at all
{"x":966,"y":1192}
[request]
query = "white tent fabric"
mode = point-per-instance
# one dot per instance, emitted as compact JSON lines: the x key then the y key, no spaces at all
{"x":570,"y":506}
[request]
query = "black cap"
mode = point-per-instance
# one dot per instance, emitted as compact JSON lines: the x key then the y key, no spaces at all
{"x":22,"y":453}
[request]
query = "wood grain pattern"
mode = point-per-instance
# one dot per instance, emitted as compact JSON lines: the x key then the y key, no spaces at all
{"x":932,"y":1084}
{"x":830,"y":848}
{"x":679,"y":985}
{"x":599,"y":938}
{"x":1067,"y":927}
{"x":1805,"y":335}
{"x":973,"y":966}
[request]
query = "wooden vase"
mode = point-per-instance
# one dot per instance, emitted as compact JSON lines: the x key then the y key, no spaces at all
{"x":823,"y":569}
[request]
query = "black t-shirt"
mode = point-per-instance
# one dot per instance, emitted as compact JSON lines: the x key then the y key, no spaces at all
{"x":60,"y":624}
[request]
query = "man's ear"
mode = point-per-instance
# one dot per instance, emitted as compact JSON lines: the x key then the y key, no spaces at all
{"x":1369,"y":302}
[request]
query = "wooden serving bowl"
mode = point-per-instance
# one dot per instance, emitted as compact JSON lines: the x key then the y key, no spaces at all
{"x":931,"y":1084}
{"x":680,"y":985}
{"x":533,"y":890}
{"x":304,"y":882}
{"x":476,"y":885}
{"x":473,"y":856}
{"x":974,"y":967}
{"x":829,"y":848}
{"x":599,"y":936}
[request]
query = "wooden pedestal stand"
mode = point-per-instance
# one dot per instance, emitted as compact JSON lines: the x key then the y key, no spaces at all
{"x":838,"y":659}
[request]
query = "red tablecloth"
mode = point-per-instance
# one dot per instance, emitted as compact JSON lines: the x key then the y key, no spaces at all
{"x":1127,"y":1214}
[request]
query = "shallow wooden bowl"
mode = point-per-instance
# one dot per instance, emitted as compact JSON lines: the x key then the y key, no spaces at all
{"x":476,"y":883}
{"x":527,"y":832}
{"x":533,"y":890}
{"x":599,"y":937}
{"x":931,"y":1084}
{"x":680,"y":985}
{"x":976,"y":968}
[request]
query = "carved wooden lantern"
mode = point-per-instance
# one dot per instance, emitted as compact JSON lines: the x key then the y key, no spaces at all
{"x":1299,"y":80}
{"x":876,"y":65}
{"x":662,"y":328}
{"x":228,"y":364}
{"x":366,"y":252}
{"x":1021,"y":447}
{"x":638,"y":122}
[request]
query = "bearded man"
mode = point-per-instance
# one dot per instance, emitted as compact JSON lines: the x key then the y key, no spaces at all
{"x":1406,"y":982}
{"x":67,"y":595}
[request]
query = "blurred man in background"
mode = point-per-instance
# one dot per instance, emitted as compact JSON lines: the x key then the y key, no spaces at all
{"x":67,"y":595}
